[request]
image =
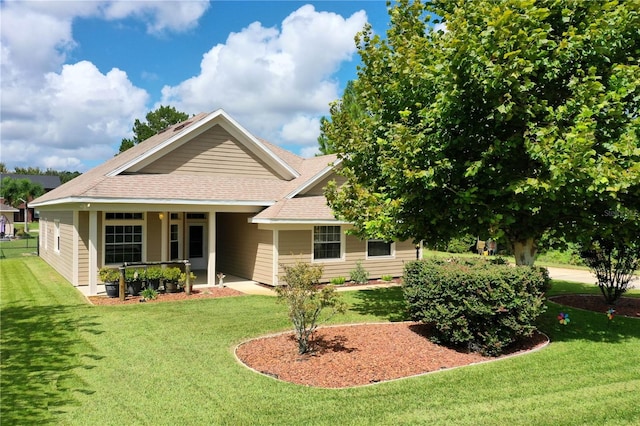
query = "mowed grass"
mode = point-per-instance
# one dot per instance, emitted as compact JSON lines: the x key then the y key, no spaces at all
{"x":67,"y":362}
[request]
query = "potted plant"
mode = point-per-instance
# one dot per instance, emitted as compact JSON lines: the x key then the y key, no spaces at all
{"x":133,"y":279}
{"x":183,"y":280}
{"x":154,"y":275}
{"x":171,"y":277}
{"x":111,"y":279}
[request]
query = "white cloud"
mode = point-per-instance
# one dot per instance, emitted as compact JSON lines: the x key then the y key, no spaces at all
{"x":275,"y":82}
{"x":301,"y":130}
{"x":60,"y":115}
{"x":160,"y":16}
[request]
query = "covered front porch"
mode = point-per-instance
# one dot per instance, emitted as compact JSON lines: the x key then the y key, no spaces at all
{"x":220,"y":240}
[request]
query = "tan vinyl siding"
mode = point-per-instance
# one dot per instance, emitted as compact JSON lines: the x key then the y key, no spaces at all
{"x":318,"y":188}
{"x":213,"y":152}
{"x":294,"y":246}
{"x":83,"y":248}
{"x":154,"y":237}
{"x":61,"y":261}
{"x":297,"y":245}
{"x":242,"y":249}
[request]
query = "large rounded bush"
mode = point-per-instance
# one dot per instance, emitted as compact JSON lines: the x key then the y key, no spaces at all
{"x":480,"y":305}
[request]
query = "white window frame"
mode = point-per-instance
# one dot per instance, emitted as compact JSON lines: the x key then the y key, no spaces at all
{"x":392,"y":249}
{"x":56,"y":236}
{"x":124,"y":222}
{"x":342,"y":246}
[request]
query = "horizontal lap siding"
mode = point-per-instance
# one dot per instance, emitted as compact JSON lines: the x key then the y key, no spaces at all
{"x":154,"y":237}
{"x":318,"y":188}
{"x":213,"y":152}
{"x":83,"y":248}
{"x":60,"y":261}
{"x":242,"y":249}
{"x":293,"y":246}
{"x":296,"y":245}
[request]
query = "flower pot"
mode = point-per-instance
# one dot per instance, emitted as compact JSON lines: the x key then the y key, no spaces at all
{"x":153,"y":283}
{"x":112,"y":289}
{"x":171,"y":286}
{"x":134,"y":287}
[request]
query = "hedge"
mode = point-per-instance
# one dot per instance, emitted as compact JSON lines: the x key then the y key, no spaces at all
{"x":482,"y":306}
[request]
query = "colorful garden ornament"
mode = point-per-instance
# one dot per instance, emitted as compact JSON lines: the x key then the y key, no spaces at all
{"x":610,"y":313}
{"x":563,"y":318}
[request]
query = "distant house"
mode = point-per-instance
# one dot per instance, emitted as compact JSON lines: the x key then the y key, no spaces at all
{"x":6,"y":221}
{"x":208,"y":191}
{"x":48,"y":183}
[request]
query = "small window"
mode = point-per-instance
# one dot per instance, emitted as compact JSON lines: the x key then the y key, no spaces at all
{"x":327,"y":242}
{"x":196,"y":215}
{"x":379,"y":248}
{"x":123,"y":216}
{"x":56,"y":235}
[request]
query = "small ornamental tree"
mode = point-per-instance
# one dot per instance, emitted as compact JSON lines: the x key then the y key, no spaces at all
{"x":613,"y":261}
{"x":306,"y":301}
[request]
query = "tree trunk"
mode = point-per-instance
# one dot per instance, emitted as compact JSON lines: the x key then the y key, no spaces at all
{"x":524,"y":251}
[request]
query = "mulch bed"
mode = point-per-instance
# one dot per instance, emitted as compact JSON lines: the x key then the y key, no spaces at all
{"x":625,"y":306}
{"x":200,"y":293}
{"x":361,"y":354}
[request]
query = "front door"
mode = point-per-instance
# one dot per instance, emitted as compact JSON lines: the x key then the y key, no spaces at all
{"x":197,"y":246}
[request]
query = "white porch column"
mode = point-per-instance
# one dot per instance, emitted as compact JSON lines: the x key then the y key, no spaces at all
{"x":93,"y":252}
{"x":165,"y":218}
{"x":211,"y":265}
{"x":276,"y":255}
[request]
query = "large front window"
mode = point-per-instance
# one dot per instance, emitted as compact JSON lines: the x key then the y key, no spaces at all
{"x":326,"y":242}
{"x":123,"y":243}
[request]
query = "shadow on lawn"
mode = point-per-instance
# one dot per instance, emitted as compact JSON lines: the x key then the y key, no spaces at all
{"x":386,"y":302}
{"x":587,"y":325}
{"x":42,"y":348}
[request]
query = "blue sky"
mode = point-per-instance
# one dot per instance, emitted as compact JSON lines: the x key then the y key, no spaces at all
{"x":76,"y":74}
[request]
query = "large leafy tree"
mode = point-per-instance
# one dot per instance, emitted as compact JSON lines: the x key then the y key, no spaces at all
{"x":349,"y":103}
{"x":18,"y":191}
{"x":157,"y":120}
{"x":522,"y":116}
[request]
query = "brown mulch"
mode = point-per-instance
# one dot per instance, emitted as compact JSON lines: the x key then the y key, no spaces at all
{"x":625,"y":306}
{"x":361,"y":354}
{"x":201,"y":293}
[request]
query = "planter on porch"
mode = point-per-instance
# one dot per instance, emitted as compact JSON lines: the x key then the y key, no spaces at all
{"x":112,"y":289}
{"x":171,"y":277}
{"x":153,"y":275}
{"x":111,"y":279}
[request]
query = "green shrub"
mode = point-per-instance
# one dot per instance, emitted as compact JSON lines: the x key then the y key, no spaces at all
{"x":387,"y":278}
{"x":306,"y":301}
{"x":149,"y":293}
{"x":338,"y":280}
{"x":461,"y":244}
{"x":359,"y":275}
{"x":479,"y":305}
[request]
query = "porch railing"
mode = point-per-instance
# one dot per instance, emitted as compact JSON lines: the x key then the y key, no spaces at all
{"x":125,"y":265}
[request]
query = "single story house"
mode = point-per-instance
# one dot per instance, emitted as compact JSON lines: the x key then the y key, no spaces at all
{"x":208,"y":191}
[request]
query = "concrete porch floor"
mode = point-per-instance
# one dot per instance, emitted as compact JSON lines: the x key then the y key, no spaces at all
{"x":240,"y":284}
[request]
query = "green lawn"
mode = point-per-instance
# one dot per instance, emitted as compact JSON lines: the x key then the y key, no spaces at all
{"x":66,"y":362}
{"x":19,"y":247}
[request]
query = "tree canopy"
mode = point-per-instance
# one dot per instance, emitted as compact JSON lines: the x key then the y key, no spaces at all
{"x":521,"y":116}
{"x":349,"y":103}
{"x":18,"y":191}
{"x":157,"y":120}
